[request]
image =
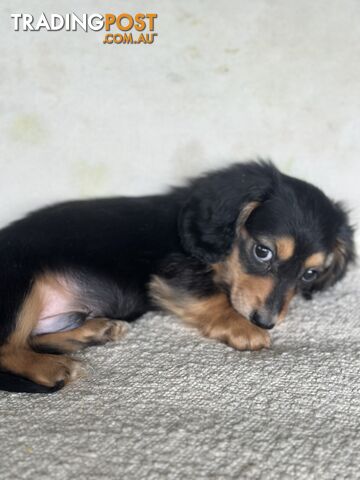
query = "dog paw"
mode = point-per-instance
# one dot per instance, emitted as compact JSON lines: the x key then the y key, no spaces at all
{"x":102,"y":330}
{"x":55,"y":370}
{"x":249,"y":338}
{"x":240,"y":334}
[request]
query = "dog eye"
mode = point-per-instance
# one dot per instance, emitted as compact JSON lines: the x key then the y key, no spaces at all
{"x":310,"y":275}
{"x":262,"y":253}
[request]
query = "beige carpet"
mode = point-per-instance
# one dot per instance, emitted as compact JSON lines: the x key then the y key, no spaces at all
{"x":166,"y":403}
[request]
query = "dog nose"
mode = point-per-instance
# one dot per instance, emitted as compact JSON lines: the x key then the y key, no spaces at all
{"x":261,"y":320}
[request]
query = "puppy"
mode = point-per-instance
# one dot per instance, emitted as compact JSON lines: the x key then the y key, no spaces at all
{"x":226,"y":253}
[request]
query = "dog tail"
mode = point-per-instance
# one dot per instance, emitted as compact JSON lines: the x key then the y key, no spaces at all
{"x":14,"y":383}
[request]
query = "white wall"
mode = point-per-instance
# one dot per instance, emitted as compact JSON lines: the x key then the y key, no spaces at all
{"x":229,"y":80}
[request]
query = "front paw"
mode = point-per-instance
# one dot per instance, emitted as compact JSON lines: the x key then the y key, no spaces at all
{"x":249,"y":338}
{"x":241,"y":335}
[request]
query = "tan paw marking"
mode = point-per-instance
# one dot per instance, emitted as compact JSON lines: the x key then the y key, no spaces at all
{"x":45,"y":369}
{"x":57,"y":368}
{"x":239,"y":334}
{"x":103,"y":330}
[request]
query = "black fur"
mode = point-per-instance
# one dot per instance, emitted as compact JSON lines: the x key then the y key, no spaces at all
{"x":17,"y":384}
{"x":209,"y":216}
{"x":113,"y":246}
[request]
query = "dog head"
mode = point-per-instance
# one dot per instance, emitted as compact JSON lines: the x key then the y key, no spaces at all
{"x":268,"y":236}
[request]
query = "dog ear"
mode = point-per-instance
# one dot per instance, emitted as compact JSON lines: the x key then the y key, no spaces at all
{"x":342,"y":255}
{"x":218,"y":204}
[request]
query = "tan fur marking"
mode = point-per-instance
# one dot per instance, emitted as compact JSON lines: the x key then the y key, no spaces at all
{"x":43,"y":369}
{"x":95,"y":331}
{"x":315,"y":260}
{"x":16,"y":354}
{"x":165,"y":296}
{"x":248,"y":292}
{"x":246,"y":212}
{"x":31,"y":308}
{"x":27,"y":318}
{"x":289,"y":296}
{"x":285,"y":247}
{"x":213,"y":316}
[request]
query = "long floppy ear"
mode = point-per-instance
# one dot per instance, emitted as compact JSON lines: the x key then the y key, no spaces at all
{"x":218,"y":203}
{"x":342,"y":255}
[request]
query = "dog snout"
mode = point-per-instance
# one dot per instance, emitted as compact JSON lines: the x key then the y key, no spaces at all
{"x":262,"y":320}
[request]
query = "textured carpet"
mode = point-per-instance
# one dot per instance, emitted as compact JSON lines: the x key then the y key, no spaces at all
{"x":165,"y":403}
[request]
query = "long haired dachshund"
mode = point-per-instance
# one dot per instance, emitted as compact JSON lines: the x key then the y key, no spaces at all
{"x":226,"y":253}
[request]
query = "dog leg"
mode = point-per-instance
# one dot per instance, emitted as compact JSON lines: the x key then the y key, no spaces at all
{"x":94,"y":331}
{"x":20,"y":364}
{"x":52,"y":371}
{"x":213,"y":316}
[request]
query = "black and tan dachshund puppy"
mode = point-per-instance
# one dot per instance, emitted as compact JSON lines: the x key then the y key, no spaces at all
{"x":226,"y":253}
